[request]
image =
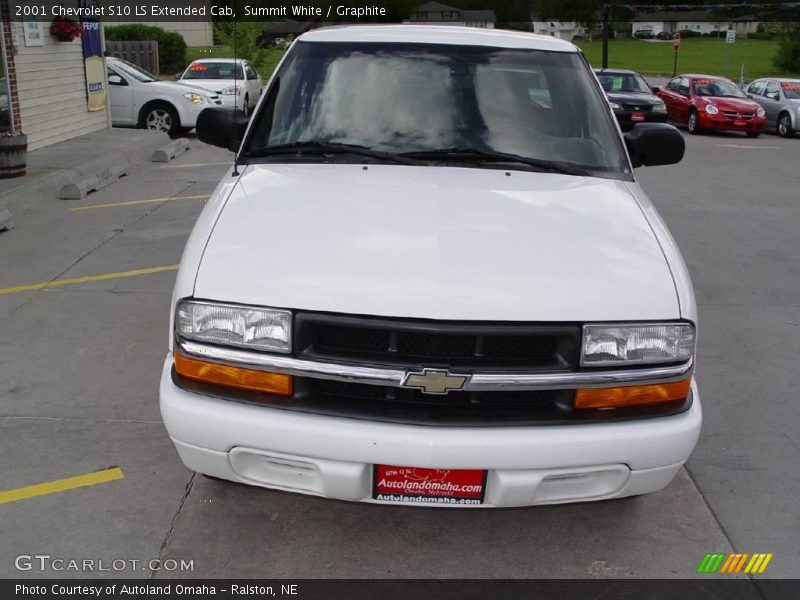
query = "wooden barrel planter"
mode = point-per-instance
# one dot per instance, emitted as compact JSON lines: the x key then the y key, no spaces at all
{"x":13,"y":155}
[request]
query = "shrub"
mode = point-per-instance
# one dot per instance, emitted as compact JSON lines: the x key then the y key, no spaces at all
{"x":689,"y":33}
{"x":171,"y":47}
{"x":760,"y":35}
{"x":788,"y":55}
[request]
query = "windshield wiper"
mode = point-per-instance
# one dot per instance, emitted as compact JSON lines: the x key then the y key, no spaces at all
{"x":323,"y":148}
{"x":477,"y":155}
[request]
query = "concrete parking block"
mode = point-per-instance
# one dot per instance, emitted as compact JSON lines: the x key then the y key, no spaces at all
{"x":171,"y":151}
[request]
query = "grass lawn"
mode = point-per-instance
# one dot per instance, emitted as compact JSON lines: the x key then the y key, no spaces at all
{"x":710,"y":56}
{"x":264,"y":66}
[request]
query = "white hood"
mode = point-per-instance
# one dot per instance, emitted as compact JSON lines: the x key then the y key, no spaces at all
{"x":173,"y":87}
{"x":438,"y":243}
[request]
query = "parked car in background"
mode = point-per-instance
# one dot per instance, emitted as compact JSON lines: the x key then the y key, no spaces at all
{"x":643,"y":34}
{"x":139,"y":99}
{"x":631,"y":98}
{"x":234,"y":80}
{"x":433,"y":279}
{"x":780,"y":99}
{"x":711,"y":102}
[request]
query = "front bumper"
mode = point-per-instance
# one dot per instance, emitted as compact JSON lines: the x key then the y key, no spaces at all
{"x":722,"y":123}
{"x":333,"y":457}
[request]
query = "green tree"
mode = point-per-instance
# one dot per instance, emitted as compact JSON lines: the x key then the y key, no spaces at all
{"x":788,"y":56}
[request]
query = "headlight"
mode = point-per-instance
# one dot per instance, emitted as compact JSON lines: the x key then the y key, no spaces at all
{"x":194,"y":98}
{"x":761,"y":112}
{"x":250,"y":327}
{"x":660,"y":108}
{"x":623,"y":345}
{"x":231,"y":91}
{"x":711,"y":109}
{"x":615,"y":106}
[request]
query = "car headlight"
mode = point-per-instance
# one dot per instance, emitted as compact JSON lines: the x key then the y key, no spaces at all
{"x":711,"y":109}
{"x":194,"y":98}
{"x":659,"y":107}
{"x":761,"y":112}
{"x":231,"y":91}
{"x":256,"y":328}
{"x":615,"y":106}
{"x":645,"y":344}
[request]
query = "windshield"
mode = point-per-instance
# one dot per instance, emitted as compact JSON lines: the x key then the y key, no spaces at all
{"x":719,"y":88}
{"x":791,"y":89}
{"x":135,"y":71}
{"x":213,"y":70}
{"x":630,"y":83}
{"x":415,"y":98}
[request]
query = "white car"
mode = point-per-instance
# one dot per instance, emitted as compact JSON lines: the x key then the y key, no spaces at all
{"x":419,"y":285}
{"x":235,"y":81}
{"x":140,"y":99}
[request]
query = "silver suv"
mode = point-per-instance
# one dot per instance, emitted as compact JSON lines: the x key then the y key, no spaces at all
{"x":781,"y":101}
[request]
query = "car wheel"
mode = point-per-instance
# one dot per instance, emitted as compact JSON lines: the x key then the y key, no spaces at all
{"x":162,"y":117}
{"x":693,"y":124}
{"x":246,"y":106}
{"x":785,"y":125}
{"x":753,"y":134}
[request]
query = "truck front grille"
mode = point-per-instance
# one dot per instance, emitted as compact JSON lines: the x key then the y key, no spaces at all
{"x":417,"y":343}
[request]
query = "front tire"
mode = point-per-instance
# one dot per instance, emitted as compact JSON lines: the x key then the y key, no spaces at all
{"x":693,"y":124}
{"x":162,"y":117}
{"x":784,"y":127}
{"x":246,"y":106}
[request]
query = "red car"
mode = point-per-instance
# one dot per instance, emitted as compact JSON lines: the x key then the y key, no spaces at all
{"x":709,"y":102}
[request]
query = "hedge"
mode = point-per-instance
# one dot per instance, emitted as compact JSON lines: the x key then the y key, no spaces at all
{"x":171,"y":47}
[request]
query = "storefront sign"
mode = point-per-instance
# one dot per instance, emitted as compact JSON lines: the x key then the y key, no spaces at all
{"x":34,"y":33}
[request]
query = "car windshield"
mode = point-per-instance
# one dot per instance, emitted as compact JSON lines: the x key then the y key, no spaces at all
{"x":214,"y":70}
{"x":719,"y":88}
{"x":463,"y":103}
{"x":623,"y":83}
{"x":791,"y":89}
{"x":135,"y":71}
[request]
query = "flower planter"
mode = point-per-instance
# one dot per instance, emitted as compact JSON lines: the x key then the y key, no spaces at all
{"x":13,"y":156}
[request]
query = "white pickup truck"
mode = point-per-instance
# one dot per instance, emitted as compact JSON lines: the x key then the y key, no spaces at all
{"x":432,"y":279}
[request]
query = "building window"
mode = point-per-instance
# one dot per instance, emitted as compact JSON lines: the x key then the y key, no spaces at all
{"x":6,"y":120}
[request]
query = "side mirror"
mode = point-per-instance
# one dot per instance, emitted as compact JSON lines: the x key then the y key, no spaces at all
{"x":116,"y":80}
{"x":653,"y":144}
{"x":655,"y":89}
{"x":221,"y":126}
{"x":178,"y":76}
{"x":773,"y":95}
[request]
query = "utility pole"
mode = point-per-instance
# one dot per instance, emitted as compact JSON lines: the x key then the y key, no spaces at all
{"x":606,"y":11}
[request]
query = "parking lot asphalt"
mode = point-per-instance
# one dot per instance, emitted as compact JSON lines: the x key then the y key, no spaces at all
{"x":80,"y":364}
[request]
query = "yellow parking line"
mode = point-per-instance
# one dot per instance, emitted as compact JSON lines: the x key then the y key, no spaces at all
{"x":208,"y":164}
{"x":61,"y":485}
{"x":86,"y":279}
{"x":749,"y":147}
{"x":131,"y":202}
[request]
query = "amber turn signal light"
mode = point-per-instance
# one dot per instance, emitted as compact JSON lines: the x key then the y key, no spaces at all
{"x":236,"y":377}
{"x":633,"y":395}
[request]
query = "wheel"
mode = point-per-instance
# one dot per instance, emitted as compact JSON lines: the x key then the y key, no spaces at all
{"x":753,"y":134}
{"x":785,"y":125}
{"x":162,"y":117}
{"x":693,"y":125}
{"x":246,"y":106}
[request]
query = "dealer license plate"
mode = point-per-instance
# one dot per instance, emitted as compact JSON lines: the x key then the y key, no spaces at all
{"x":429,"y":486}
{"x":637,"y":117}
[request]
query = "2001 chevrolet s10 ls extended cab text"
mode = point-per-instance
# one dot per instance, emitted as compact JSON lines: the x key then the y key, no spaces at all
{"x":433,"y":279}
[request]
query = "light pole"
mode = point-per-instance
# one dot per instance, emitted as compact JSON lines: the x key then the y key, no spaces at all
{"x":606,"y":11}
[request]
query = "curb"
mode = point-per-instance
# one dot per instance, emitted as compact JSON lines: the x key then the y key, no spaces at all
{"x":77,"y":181}
{"x":6,"y":220}
{"x":172,"y":150}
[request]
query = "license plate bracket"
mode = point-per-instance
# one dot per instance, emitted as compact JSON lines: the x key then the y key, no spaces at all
{"x":392,"y":483}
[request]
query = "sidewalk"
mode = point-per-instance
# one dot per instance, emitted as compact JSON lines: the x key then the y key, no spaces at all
{"x":52,"y":167}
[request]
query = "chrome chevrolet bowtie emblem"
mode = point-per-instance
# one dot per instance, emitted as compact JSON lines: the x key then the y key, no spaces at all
{"x":434,"y":381}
